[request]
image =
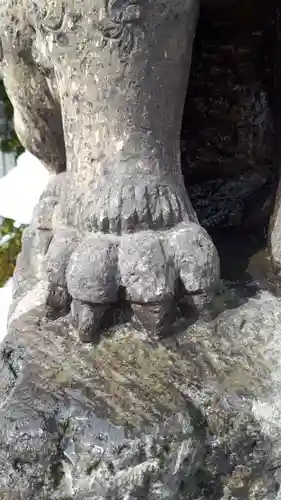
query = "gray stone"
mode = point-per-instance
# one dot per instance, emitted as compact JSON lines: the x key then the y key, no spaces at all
{"x":59,"y":252}
{"x":195,"y":257}
{"x":147,"y":273}
{"x":121,"y":132}
{"x":32,"y":259}
{"x":193,"y":416}
{"x":66,"y":448}
{"x":43,"y":213}
{"x":92,"y":272}
{"x":90,"y":320}
{"x":165,"y":410}
{"x":123,"y":206}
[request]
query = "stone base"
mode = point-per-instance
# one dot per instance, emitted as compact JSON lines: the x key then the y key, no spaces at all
{"x":194,"y":416}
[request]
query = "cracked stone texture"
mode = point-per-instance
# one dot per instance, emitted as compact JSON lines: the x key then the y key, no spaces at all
{"x":195,"y":416}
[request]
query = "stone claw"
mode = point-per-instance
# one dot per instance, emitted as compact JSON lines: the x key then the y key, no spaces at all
{"x":156,"y":318}
{"x":57,"y":302}
{"x":159,"y":268}
{"x":156,"y":270}
{"x":195,"y":257}
{"x":147,"y":272}
{"x":90,"y":320}
{"x":93,"y":283}
{"x":142,"y":240}
{"x":59,"y":252}
{"x":92,"y":273}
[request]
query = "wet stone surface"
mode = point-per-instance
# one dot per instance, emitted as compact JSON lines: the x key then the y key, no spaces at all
{"x":193,"y":416}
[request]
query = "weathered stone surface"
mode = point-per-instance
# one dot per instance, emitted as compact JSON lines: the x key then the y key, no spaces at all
{"x":165,"y":410}
{"x":59,"y":252}
{"x":92,"y":273}
{"x":194,"y":416}
{"x":195,"y":257}
{"x":121,"y":130}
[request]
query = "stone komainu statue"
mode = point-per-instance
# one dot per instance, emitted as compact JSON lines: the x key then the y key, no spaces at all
{"x":98,"y":89}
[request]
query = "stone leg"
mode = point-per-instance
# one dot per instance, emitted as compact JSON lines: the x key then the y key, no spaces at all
{"x":122,"y":222}
{"x":37,"y":114}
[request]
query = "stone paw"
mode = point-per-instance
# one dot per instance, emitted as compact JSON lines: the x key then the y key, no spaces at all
{"x":94,"y":276}
{"x":119,"y":248}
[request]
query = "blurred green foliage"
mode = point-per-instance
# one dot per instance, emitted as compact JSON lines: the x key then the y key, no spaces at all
{"x":10,"y":245}
{"x":10,"y":236}
{"x":12,"y":142}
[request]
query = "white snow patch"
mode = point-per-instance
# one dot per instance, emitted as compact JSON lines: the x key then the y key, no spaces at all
{"x":20,"y":191}
{"x":21,"y":188}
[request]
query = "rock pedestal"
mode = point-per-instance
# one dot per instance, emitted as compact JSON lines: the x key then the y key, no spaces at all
{"x":170,"y":411}
{"x":195,"y":416}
